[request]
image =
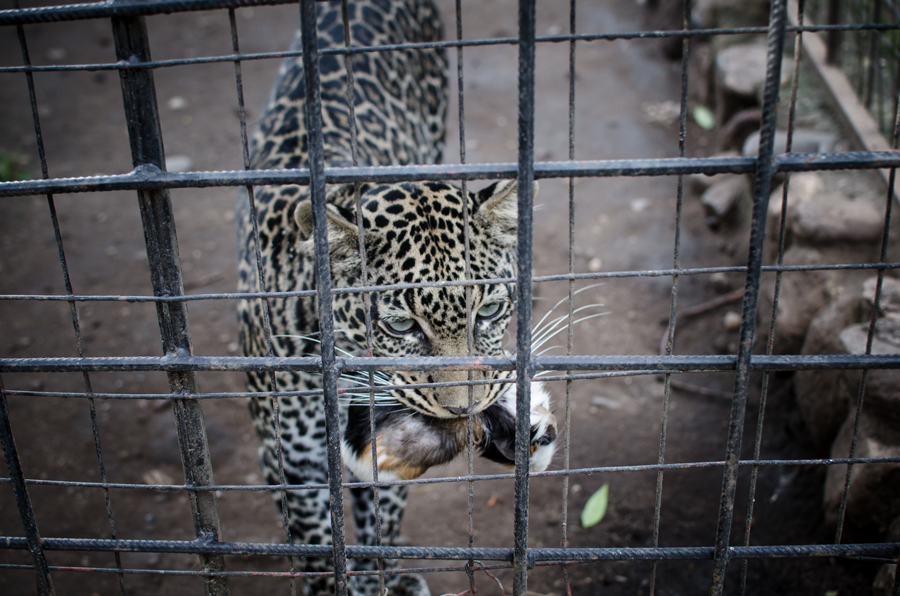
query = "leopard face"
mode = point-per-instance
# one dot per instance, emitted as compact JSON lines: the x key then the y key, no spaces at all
{"x":414,"y":233}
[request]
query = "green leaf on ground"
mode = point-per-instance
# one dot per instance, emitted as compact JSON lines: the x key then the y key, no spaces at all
{"x":595,"y":508}
{"x":12,"y":167}
{"x":704,"y":118}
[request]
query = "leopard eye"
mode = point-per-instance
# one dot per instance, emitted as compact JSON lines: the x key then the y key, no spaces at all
{"x":400,"y":325}
{"x":489,"y":310}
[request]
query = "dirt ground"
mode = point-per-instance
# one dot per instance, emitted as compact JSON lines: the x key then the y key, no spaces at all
{"x":621,"y":224}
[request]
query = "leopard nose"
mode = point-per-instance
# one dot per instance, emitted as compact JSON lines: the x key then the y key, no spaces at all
{"x":457,"y":411}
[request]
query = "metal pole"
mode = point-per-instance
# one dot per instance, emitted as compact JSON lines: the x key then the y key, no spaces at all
{"x":765,"y":167}
{"x":23,"y":501}
{"x":145,"y":135}
{"x":524,"y":363}
{"x":833,"y":37}
{"x":313,"y":113}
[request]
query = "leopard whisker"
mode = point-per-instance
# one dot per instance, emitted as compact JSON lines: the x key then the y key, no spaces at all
{"x":549,"y":328}
{"x":560,"y":303}
{"x":357,"y":378}
{"x":547,"y":335}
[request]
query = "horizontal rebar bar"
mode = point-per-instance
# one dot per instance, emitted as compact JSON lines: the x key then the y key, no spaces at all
{"x":285,"y":574}
{"x":149,"y":177}
{"x":887,"y":550}
{"x":701,"y":363}
{"x":440,"y":284}
{"x":472,"y":478}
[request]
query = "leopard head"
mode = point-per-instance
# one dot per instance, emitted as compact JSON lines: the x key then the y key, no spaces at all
{"x":414,"y":233}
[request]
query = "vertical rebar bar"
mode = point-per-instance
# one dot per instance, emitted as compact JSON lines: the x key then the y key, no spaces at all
{"x":145,"y":136}
{"x":364,"y":280}
{"x":673,"y":304}
{"x":261,"y":281}
{"x":470,"y":340}
{"x":570,"y":332}
{"x":325,"y":308}
{"x":872,"y":66}
{"x":833,"y":37}
{"x":870,"y":336}
{"x":765,"y":167}
{"x":770,"y":342}
{"x":67,"y":282}
{"x":26,"y":512}
{"x":524,"y":364}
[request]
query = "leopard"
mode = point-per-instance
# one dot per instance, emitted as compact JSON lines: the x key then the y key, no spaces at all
{"x":412,"y":234}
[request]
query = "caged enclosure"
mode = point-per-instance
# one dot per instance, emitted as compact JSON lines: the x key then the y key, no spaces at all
{"x":697,"y":388}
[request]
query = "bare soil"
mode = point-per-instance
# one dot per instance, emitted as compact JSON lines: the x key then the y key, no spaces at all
{"x":620,"y":224}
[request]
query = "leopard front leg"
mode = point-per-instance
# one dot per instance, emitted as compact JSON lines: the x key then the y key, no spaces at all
{"x":302,"y":430}
{"x":392,"y":502}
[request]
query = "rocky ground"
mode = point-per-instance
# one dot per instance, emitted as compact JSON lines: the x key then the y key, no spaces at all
{"x":625,"y":93}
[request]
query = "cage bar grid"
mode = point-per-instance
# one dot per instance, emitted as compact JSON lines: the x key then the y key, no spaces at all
{"x":152,"y":184}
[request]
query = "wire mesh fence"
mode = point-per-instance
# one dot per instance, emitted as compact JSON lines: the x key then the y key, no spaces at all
{"x":216,"y":560}
{"x":867,"y":58}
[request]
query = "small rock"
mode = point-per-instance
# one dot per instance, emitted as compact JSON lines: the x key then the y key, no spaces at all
{"x":606,"y":402}
{"x":803,"y":141}
{"x":822,"y":401}
{"x":178,"y":163}
{"x":831,"y":217}
{"x":803,"y":294}
{"x":886,"y":340}
{"x":889,"y":301}
{"x":740,"y":74}
{"x":884,"y":580}
{"x":56,"y":54}
{"x":661,"y":112}
{"x":176,"y":103}
{"x":700,"y":182}
{"x":741,"y":69}
{"x":157,"y":477}
{"x":732,"y":321}
{"x":719,"y":13}
{"x":871,"y":503}
{"x":802,"y":187}
{"x":720,"y":200}
{"x":639,"y":205}
{"x":720,"y":282}
{"x":882,"y":396}
{"x":739,"y":127}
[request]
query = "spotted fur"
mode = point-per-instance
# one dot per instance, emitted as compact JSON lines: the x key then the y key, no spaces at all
{"x":412,"y":232}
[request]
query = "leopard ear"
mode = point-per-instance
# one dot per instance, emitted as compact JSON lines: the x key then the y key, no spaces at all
{"x":497,"y":206}
{"x":341,"y":224}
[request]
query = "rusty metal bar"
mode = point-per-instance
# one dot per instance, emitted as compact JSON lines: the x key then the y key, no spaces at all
{"x":324,"y":305}
{"x":833,"y":37}
{"x":886,"y":550}
{"x":145,"y":135}
{"x":657,"y":364}
{"x":764,"y":171}
{"x":150,"y":177}
{"x":32,"y":540}
{"x":524,"y":358}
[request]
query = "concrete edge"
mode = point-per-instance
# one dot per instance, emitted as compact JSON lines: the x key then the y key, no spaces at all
{"x":862,"y":127}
